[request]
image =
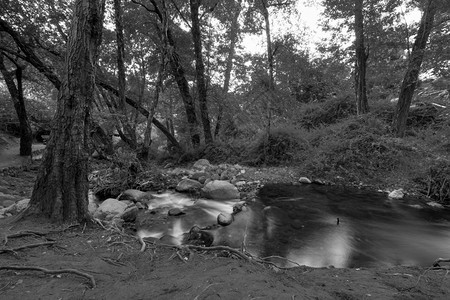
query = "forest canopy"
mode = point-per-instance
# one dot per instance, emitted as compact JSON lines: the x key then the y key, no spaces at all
{"x":185,"y":79}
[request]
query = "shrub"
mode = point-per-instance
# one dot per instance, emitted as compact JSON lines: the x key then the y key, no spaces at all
{"x":356,"y":148}
{"x":329,"y":112}
{"x":284,"y":144}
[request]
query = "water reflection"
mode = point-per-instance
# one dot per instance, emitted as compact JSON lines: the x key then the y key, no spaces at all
{"x":300,"y":223}
{"x":372,"y":230}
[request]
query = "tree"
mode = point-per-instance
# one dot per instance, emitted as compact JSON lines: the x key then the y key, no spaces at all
{"x":16,"y":92}
{"x":233,"y":37}
{"x":412,"y":73}
{"x":61,"y":189}
{"x":129,"y":134}
{"x":200,"y":69}
{"x":362,"y":54}
{"x":166,"y":33}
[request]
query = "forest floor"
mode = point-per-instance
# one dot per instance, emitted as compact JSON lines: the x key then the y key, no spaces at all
{"x":110,"y":260}
{"x":121,"y":271}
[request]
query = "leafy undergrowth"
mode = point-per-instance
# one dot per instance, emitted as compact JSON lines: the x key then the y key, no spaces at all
{"x":338,"y":147}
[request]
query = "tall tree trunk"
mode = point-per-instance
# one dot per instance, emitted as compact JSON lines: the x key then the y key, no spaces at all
{"x":16,"y":92}
{"x":180,"y":77}
{"x":200,"y":70}
{"x":234,"y":29}
{"x":271,"y":86}
{"x":412,"y":72}
{"x":362,"y":105}
{"x":127,"y":128}
{"x":61,"y":189}
{"x":178,"y":72}
{"x":144,"y":152}
{"x":265,"y":13}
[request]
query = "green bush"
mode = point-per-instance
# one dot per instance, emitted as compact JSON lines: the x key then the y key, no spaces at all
{"x":314,"y":115}
{"x":284,"y":144}
{"x":355,"y":148}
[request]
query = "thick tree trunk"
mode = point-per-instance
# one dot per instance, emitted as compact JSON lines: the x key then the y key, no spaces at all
{"x":362,"y":105}
{"x":61,"y":188}
{"x":200,"y":70}
{"x":234,"y":29}
{"x":122,"y":109}
{"x":412,"y":73}
{"x":16,"y":92}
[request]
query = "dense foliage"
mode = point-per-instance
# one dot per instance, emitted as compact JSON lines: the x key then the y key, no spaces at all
{"x":187,"y":70}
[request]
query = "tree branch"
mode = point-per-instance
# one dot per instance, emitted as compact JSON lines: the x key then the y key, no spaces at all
{"x":31,"y":57}
{"x":181,"y":15}
{"x":142,"y":110}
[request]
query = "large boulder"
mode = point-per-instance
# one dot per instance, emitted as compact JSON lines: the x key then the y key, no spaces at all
{"x":110,"y":208}
{"x":188,"y":185}
{"x":220,"y":190}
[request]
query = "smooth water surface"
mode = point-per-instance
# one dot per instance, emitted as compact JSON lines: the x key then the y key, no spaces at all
{"x":299,"y":223}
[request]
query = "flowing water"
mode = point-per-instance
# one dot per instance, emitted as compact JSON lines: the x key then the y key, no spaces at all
{"x":321,"y":226}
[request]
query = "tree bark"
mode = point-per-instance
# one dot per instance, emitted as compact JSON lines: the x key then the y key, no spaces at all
{"x":61,"y":189}
{"x":229,"y":66}
{"x":412,"y":72}
{"x":200,"y":70}
{"x":362,"y":105}
{"x":16,"y":92}
{"x":127,"y":128}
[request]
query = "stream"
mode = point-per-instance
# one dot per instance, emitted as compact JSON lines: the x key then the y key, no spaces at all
{"x":298,"y":225}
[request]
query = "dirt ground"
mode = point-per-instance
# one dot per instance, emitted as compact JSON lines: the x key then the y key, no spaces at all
{"x":121,"y":271}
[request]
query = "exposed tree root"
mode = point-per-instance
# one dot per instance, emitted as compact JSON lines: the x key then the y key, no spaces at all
{"x":439,"y":260}
{"x":435,"y":267}
{"x":48,"y":271}
{"x":14,"y":250}
{"x":35,"y":233}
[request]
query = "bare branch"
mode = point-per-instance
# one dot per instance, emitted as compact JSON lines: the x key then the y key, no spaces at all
{"x":181,"y":15}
